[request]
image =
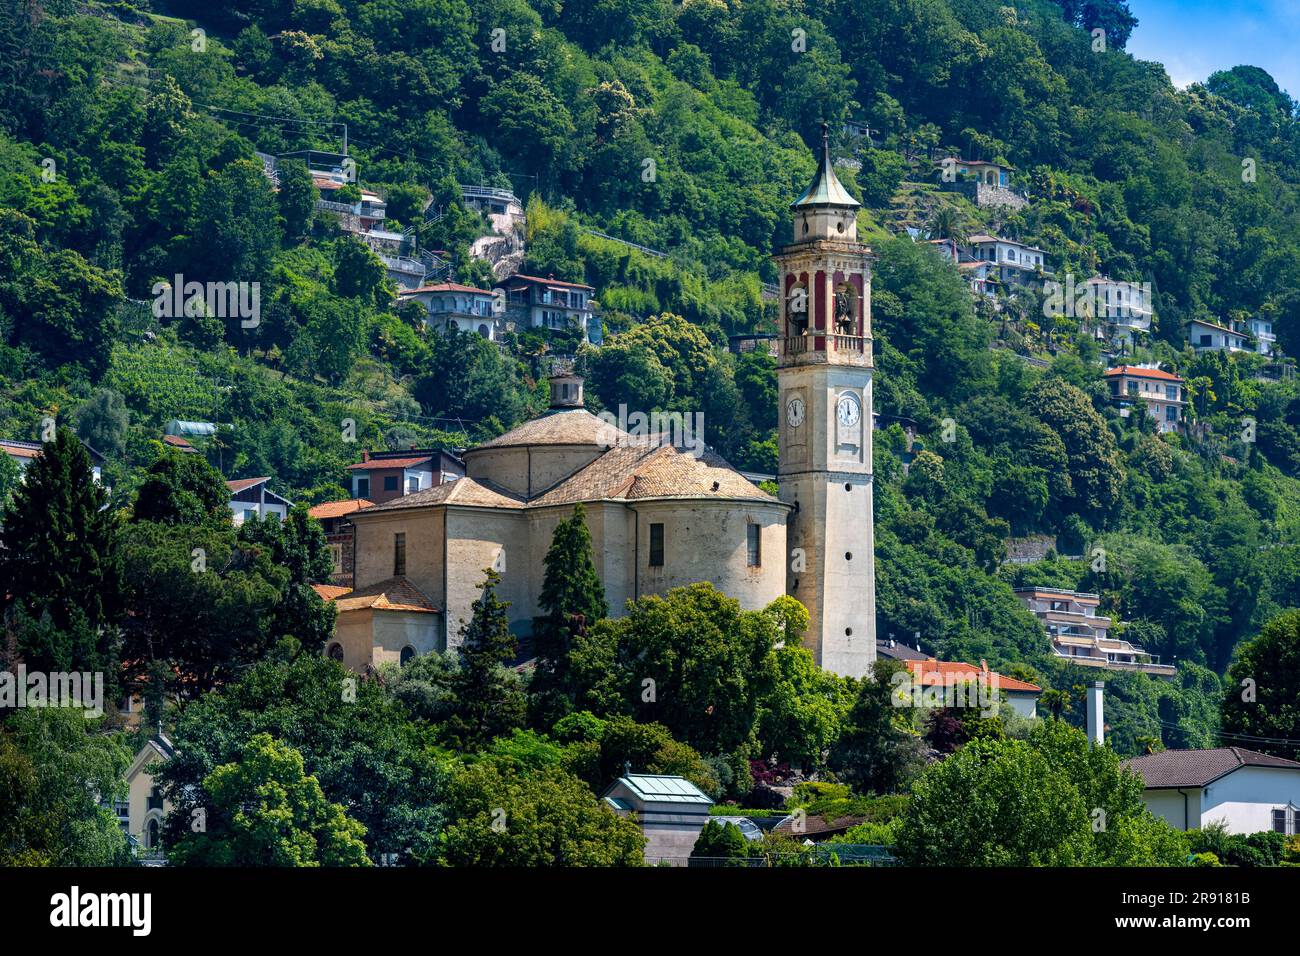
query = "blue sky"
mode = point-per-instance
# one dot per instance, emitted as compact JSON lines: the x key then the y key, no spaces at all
{"x":1193,"y":38}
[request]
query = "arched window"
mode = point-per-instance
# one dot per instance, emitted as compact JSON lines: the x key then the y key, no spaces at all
{"x":408,"y":652}
{"x":151,"y":835}
{"x":846,"y":309}
{"x":336,"y":652}
{"x":483,"y":331}
{"x":797,"y":307}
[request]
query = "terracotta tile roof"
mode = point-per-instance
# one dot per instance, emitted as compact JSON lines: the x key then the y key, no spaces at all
{"x":561,"y":426}
{"x":933,"y":672}
{"x":328,"y":592}
{"x":236,"y":485}
{"x":639,"y":471}
{"x":176,"y":441}
{"x":336,"y":509}
{"x":550,"y":281}
{"x":1137,"y":372}
{"x":20,"y":449}
{"x":446,"y":287}
{"x":463,"y":491}
{"x":393,"y":594}
{"x":1196,"y":768}
{"x":375,"y":463}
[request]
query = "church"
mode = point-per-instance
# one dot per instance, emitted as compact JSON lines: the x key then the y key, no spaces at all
{"x":660,"y":516}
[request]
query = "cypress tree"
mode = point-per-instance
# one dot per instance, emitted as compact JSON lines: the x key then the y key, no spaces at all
{"x":61,"y":564}
{"x":489,"y":700}
{"x":572,"y":599}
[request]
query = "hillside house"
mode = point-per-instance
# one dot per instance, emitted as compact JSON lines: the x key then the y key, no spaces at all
{"x":334,"y":518}
{"x":251,"y":499}
{"x":1020,"y":695}
{"x":1206,"y":336}
{"x":1247,"y":791}
{"x":448,"y":305}
{"x":24,"y":452}
{"x":384,"y":475}
{"x":1080,"y":635}
{"x":1261,"y":332}
{"x":1006,"y":261}
{"x":983,"y":182}
{"x":1163,"y":394}
{"x":1124,"y":309}
{"x":548,"y":303}
{"x":142,"y":813}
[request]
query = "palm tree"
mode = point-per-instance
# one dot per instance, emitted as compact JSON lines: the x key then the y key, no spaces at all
{"x":947,"y":222}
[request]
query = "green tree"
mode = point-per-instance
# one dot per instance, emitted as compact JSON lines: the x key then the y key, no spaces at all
{"x":102,"y":422}
{"x":182,"y":489}
{"x":502,"y":815}
{"x":878,"y":752}
{"x":54,"y":765}
{"x":1262,"y":694}
{"x":489,"y":697}
{"x":266,"y":811}
{"x":572,"y":599}
{"x":61,"y":562}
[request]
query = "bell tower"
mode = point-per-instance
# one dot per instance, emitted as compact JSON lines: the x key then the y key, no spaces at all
{"x":824,"y":381}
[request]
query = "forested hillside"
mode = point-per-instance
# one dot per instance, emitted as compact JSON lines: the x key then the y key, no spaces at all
{"x":128,"y":149}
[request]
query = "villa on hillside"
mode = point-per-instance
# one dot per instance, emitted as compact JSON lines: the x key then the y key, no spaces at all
{"x":1163,"y":394}
{"x":982,"y":182}
{"x":1081,"y":636}
{"x":252,"y":500}
{"x":1206,"y":336}
{"x":451,"y":305}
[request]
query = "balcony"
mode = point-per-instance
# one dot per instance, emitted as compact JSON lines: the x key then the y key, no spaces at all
{"x":834,"y":349}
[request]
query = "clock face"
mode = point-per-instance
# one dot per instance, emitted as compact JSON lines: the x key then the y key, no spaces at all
{"x":794,"y":412}
{"x":848,"y":411}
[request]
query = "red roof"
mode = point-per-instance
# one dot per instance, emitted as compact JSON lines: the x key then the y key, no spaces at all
{"x":550,"y":281}
{"x":1138,"y":372}
{"x":445,"y":287}
{"x":328,"y":592}
{"x":336,"y":509}
{"x":942,"y":673}
{"x":377,"y":463}
{"x":176,"y":441}
{"x":237,"y":485}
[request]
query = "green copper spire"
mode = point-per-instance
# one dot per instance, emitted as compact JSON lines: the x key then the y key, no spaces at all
{"x":825,"y":188}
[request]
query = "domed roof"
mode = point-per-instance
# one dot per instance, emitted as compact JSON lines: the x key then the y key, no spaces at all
{"x":559,"y":426}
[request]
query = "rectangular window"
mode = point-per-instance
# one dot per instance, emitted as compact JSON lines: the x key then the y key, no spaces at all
{"x":412,"y":484}
{"x":390,"y":482}
{"x":336,"y":555}
{"x":250,"y":514}
{"x":363,"y":487}
{"x":1207,"y":340}
{"x":754,"y":543}
{"x":399,"y":553}
{"x":656,"y":546}
{"x":1279,"y":821}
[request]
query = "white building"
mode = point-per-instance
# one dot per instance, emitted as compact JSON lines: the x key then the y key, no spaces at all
{"x":1265,"y":337}
{"x":1248,"y":791}
{"x":1125,"y":307}
{"x":449,"y":304}
{"x":1212,"y":337}
{"x":1080,"y":635}
{"x":670,"y":810}
{"x":1009,"y":261}
{"x":252,"y":500}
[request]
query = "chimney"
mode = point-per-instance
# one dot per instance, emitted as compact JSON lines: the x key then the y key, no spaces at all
{"x":365,"y":454}
{"x":1096,"y":722}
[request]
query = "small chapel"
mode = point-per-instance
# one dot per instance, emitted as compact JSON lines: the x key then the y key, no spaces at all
{"x":660,"y":516}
